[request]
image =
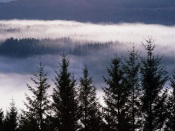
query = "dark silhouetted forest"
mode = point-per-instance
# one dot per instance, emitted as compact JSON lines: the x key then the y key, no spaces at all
{"x":136,"y":95}
{"x":21,"y":48}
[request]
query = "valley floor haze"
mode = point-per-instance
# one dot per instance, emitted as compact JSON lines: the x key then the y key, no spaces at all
{"x":15,"y":72}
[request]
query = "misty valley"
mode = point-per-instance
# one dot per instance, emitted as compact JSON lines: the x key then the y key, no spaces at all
{"x":87,"y":65}
{"x":30,"y":47}
{"x":72,"y":76}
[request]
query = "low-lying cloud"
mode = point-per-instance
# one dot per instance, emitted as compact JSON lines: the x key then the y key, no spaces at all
{"x":86,"y":31}
{"x":118,"y":38}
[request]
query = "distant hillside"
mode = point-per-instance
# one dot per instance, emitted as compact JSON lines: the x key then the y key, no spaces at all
{"x":22,"y":48}
{"x":150,"y":11}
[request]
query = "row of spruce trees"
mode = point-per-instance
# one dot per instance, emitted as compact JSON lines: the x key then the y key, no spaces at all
{"x":135,"y":99}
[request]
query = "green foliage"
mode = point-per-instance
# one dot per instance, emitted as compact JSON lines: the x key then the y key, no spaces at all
{"x":91,"y":117}
{"x":153,"y":79}
{"x":65,"y":103}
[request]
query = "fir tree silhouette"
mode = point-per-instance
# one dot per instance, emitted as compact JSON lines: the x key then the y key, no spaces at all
{"x":1,"y":119}
{"x":170,"y":123}
{"x":116,"y":98}
{"x":131,"y":68}
{"x":153,"y":79}
{"x":38,"y":104}
{"x":90,"y":107}
{"x":65,"y":102}
{"x":10,"y":121}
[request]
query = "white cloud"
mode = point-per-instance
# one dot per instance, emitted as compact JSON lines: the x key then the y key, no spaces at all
{"x":13,"y":85}
{"x":86,"y":31}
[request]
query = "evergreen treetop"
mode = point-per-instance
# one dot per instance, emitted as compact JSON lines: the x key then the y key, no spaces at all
{"x":153,"y":79}
{"x":91,"y":117}
{"x":65,"y":103}
{"x":116,"y":98}
{"x":10,"y":122}
{"x":131,"y":68}
{"x":38,"y":105}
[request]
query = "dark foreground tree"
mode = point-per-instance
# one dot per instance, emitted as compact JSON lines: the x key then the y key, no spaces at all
{"x":170,"y":124}
{"x":65,"y":103}
{"x":91,"y":117}
{"x":10,"y":121}
{"x":38,"y":105}
{"x":153,"y":79}
{"x":1,"y":119}
{"x":131,"y":68}
{"x":116,"y":98}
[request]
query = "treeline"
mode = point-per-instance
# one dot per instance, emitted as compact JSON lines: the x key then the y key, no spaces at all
{"x":135,"y":98}
{"x":21,"y":48}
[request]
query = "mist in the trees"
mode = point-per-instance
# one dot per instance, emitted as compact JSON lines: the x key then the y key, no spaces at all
{"x":153,"y":79}
{"x":10,"y":122}
{"x":170,"y":123}
{"x":38,"y":105}
{"x":135,"y":97}
{"x":90,"y":108}
{"x":107,"y":65}
{"x":116,"y":98}
{"x":131,"y":67}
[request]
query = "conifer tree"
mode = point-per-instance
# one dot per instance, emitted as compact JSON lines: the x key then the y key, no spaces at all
{"x":116,"y":98}
{"x":153,"y":78}
{"x":91,"y":117}
{"x":28,"y":122}
{"x":170,"y":124}
{"x":38,"y":104}
{"x":65,"y":104}
{"x":1,"y":119}
{"x":10,"y":121}
{"x":131,"y":69}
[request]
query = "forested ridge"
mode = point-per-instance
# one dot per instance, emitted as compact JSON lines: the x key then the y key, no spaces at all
{"x":28,"y":47}
{"x":135,"y":89}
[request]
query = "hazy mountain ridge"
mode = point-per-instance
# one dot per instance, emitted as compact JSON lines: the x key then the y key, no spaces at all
{"x":115,"y":11}
{"x":22,"y":48}
{"x":94,"y":54}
